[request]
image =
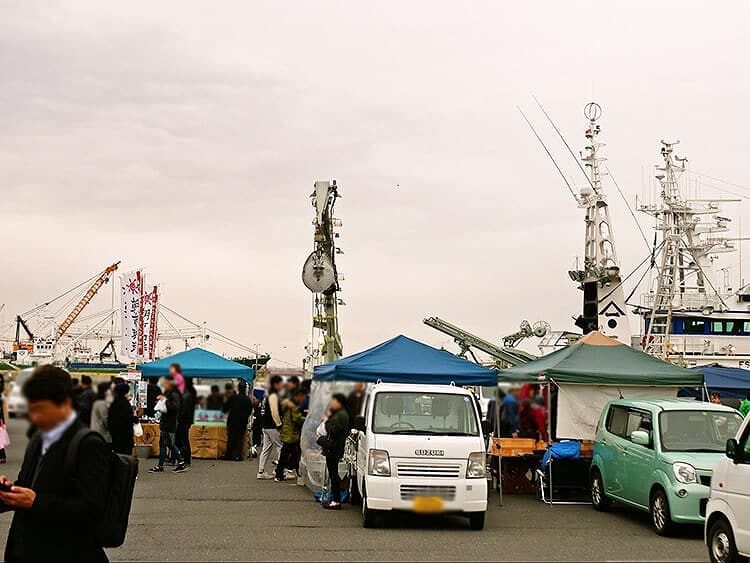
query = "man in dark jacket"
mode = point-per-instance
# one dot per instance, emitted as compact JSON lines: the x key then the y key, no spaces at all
{"x":120,"y":420}
{"x":185,"y":420}
{"x":152,"y":392}
{"x":85,"y":400}
{"x":168,"y":426}
{"x":50,"y":505}
{"x":337,"y":430}
{"x":239,"y":407}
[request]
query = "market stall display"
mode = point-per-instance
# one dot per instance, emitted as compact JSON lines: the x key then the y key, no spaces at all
{"x":583,"y":377}
{"x":208,"y":435}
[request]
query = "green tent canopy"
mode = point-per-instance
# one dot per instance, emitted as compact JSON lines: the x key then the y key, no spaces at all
{"x":596,"y":359}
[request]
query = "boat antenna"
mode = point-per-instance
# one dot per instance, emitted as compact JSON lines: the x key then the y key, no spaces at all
{"x":577,"y":160}
{"x":549,"y":154}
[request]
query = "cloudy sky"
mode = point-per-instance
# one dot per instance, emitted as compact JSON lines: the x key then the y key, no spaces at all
{"x":184,"y":138}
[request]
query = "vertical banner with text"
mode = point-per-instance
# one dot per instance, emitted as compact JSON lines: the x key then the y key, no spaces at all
{"x":131,"y":285}
{"x":150,"y":314}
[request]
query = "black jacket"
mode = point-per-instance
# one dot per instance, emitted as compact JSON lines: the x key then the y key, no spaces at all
{"x":58,"y":526}
{"x":337,"y":427}
{"x":239,"y":407}
{"x":84,"y":404}
{"x":168,"y":420}
{"x":187,"y":408}
{"x":120,"y":421}
{"x":152,"y":391}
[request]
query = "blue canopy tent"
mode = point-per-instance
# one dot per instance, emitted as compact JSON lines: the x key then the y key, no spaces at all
{"x":731,"y":383}
{"x":404,"y":360}
{"x":198,"y":362}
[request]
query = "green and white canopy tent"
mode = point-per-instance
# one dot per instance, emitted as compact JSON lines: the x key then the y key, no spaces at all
{"x":593,"y":371}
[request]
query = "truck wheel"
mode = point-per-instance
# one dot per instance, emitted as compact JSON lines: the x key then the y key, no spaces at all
{"x":599,"y":499}
{"x":660,"y":516}
{"x":721,"y":546}
{"x":369,"y":515}
{"x":476,"y":520}
{"x":354,"y":496}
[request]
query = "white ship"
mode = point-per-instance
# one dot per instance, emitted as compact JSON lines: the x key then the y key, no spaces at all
{"x":690,"y":315}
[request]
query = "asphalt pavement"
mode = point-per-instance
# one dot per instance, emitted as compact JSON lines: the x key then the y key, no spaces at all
{"x":218,"y":511}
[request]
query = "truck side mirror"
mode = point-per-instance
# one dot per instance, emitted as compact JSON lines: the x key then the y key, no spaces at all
{"x":359,"y":423}
{"x":486,"y":427}
{"x":732,"y":449}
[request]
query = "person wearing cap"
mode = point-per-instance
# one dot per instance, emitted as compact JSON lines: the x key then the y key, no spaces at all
{"x":120,"y":421}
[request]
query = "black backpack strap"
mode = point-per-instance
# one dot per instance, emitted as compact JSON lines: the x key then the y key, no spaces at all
{"x":71,"y":456}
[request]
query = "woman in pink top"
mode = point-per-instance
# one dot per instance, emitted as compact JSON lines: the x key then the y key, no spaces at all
{"x":176,"y":371}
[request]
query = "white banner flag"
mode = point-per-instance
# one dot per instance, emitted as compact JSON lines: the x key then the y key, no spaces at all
{"x":131,"y":286}
{"x":150,"y":316}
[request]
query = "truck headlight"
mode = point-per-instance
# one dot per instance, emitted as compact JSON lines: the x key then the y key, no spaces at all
{"x":475,"y":467}
{"x":379,"y":463}
{"x":684,"y":472}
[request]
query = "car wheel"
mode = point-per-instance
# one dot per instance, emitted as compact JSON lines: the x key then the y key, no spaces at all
{"x":476,"y":520}
{"x":369,"y":516}
{"x":599,"y":499}
{"x":354,"y":496}
{"x":661,"y":518}
{"x":721,"y":546}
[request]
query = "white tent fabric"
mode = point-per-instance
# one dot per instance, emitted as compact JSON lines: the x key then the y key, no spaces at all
{"x":580,"y":406}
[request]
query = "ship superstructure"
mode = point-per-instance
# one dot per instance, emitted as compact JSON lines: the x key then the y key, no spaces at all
{"x":603,"y":296}
{"x":688,"y":315}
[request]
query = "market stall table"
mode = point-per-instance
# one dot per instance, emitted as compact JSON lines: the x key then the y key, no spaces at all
{"x":206,"y":441}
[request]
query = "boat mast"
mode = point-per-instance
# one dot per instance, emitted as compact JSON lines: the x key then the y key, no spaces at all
{"x":320,"y":276}
{"x":603,"y":295}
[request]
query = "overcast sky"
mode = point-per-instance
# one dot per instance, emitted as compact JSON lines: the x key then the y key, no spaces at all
{"x":185,"y":137}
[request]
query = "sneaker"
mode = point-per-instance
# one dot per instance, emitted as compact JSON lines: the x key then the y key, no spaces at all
{"x":279,"y":480}
{"x":265,"y":476}
{"x":332,"y":505}
{"x":180,"y":468}
{"x":156,"y":469}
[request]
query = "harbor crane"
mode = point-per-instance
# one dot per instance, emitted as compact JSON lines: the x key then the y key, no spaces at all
{"x":87,"y":297}
{"x":504,"y":356}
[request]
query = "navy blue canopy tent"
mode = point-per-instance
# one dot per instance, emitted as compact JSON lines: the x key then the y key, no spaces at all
{"x":732,"y":383}
{"x":198,"y":362}
{"x":404,"y":360}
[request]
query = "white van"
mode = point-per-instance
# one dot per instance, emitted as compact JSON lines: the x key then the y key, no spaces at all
{"x":421,"y":449}
{"x":727,"y":529}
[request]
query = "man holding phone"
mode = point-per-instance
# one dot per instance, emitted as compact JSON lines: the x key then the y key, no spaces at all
{"x":54,"y":510}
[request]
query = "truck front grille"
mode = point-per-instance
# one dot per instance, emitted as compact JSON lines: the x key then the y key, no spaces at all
{"x":408,"y":492}
{"x":429,"y":471}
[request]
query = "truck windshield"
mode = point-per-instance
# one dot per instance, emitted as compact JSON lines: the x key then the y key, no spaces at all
{"x":697,"y":431}
{"x":445,"y":414}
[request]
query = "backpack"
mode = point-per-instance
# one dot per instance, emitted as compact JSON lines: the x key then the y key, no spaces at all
{"x":111,"y":530}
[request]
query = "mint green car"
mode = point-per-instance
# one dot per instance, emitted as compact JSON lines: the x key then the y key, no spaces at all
{"x":658,"y":454}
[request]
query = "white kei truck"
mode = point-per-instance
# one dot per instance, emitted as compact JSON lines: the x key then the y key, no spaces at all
{"x":420,"y":448}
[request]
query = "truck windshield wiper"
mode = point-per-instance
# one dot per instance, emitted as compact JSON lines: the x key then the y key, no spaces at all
{"x":413,"y":431}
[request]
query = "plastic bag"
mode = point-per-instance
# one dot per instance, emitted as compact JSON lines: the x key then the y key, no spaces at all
{"x":137,"y":429}
{"x":161,"y":406}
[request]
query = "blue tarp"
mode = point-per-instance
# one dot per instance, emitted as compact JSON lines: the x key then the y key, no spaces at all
{"x":197,"y":362}
{"x":403,"y":360}
{"x":730,"y":382}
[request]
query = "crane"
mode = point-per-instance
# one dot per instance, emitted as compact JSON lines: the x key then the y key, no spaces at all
{"x":87,"y":297}
{"x":503,"y":355}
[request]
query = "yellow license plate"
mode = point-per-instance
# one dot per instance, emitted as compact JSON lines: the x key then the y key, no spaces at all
{"x":428,"y":505}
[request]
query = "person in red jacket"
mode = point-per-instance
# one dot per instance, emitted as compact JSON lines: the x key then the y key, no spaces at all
{"x":533,"y":420}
